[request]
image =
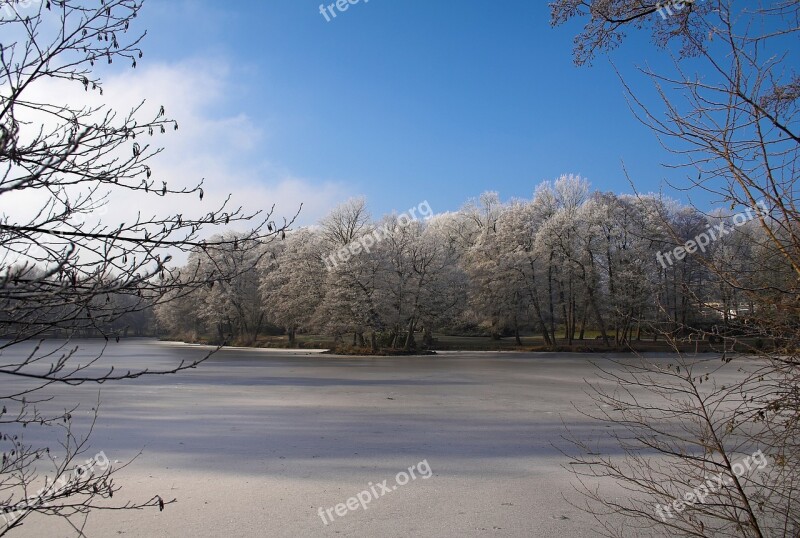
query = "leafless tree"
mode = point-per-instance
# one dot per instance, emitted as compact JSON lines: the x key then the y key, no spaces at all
{"x":729,"y":114}
{"x":63,"y":275}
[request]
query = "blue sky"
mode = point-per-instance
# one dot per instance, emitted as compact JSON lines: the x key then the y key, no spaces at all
{"x":410,"y":100}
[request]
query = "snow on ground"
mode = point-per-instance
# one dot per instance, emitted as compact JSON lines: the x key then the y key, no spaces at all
{"x":255,"y":442}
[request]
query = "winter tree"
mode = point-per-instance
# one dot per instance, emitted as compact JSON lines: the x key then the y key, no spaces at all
{"x":59,"y":271}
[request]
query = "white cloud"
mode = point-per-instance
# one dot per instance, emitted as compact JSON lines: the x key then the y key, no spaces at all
{"x":229,"y":149}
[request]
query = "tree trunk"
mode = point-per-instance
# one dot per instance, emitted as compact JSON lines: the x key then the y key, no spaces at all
{"x":551,"y":304}
{"x":534,"y":293}
{"x":584,"y":315}
{"x":565,"y":315}
{"x":410,"y":338}
{"x":599,"y":317}
{"x":427,"y":337}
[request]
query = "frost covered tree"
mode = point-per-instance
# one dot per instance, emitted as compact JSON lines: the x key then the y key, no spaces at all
{"x":293,"y":280}
{"x":351,"y":300}
{"x":423,"y":281}
{"x":232,"y":304}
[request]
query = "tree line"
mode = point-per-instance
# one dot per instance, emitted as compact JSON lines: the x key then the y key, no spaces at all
{"x":567,"y":263}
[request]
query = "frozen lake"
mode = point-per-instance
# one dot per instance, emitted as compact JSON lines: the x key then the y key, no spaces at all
{"x":255,"y":442}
